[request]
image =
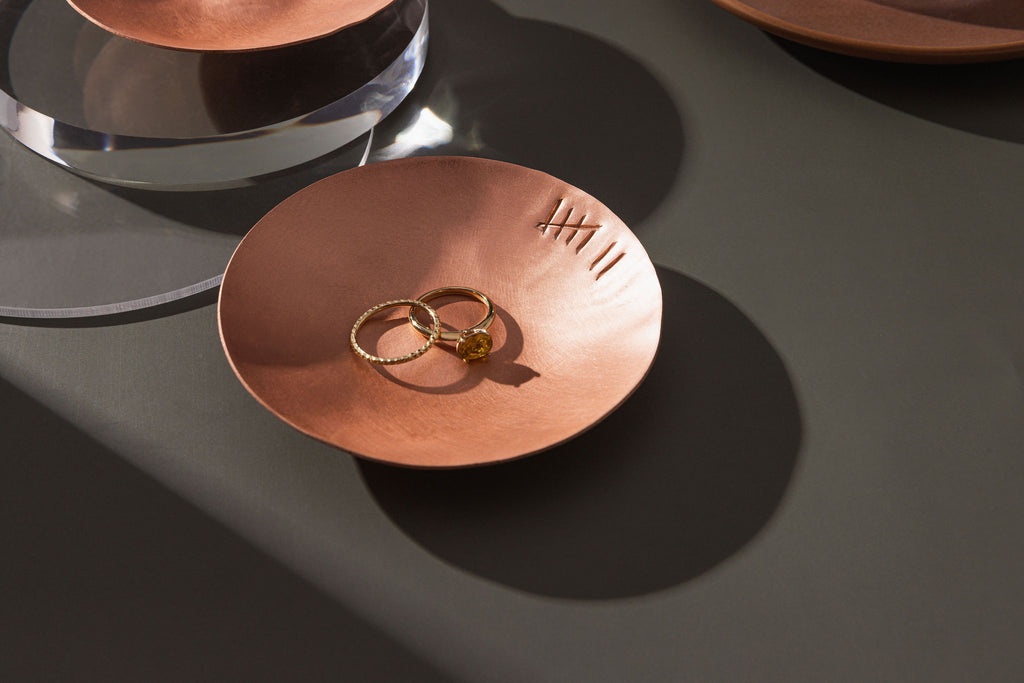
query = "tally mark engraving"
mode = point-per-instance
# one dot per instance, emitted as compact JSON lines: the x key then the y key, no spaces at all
{"x":610,"y":264}
{"x":575,"y":228}
{"x":564,"y":224}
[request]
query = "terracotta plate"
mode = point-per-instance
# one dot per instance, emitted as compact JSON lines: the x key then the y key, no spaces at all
{"x":577,"y":298}
{"x":926,"y":31}
{"x":232,"y":26}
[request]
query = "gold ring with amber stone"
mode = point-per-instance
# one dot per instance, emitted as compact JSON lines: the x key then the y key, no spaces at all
{"x":472,"y":343}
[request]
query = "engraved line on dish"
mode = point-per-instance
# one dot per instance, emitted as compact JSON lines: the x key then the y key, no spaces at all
{"x":551,"y":223}
{"x":577,"y":228}
{"x":602,"y":255}
{"x":609,"y":266}
{"x":544,"y":225}
{"x":586,"y":238}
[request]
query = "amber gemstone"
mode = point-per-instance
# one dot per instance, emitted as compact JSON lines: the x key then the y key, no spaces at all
{"x":474,"y":344}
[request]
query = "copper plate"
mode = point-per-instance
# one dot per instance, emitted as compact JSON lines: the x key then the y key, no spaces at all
{"x":578,"y":310}
{"x":232,"y":26}
{"x":924,"y":31}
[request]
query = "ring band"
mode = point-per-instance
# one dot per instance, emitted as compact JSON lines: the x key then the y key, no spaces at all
{"x":472,"y":343}
{"x":443,"y":291}
{"x":431,"y":334}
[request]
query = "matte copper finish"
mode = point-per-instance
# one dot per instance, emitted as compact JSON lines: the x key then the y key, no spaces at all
{"x":925,"y":31}
{"x":226,"y":25}
{"x":578,"y":310}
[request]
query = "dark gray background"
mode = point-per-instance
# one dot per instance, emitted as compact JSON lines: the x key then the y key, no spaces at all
{"x":820,"y":480}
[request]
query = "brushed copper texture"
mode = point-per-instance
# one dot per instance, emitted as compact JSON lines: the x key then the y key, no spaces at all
{"x":578,"y":310}
{"x":922,"y":31}
{"x":226,"y":26}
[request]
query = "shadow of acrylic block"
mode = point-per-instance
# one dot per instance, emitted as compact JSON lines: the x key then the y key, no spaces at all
{"x":681,"y":477}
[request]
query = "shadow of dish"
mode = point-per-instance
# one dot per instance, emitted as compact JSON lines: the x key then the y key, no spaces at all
{"x":681,"y":477}
{"x":542,"y":96}
{"x":985,"y":99}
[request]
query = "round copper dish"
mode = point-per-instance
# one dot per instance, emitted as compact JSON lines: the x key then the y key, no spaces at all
{"x":923,"y":31}
{"x":578,"y":310}
{"x":219,"y":26}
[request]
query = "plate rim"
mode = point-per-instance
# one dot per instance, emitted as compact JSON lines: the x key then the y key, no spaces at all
{"x":857,"y":47}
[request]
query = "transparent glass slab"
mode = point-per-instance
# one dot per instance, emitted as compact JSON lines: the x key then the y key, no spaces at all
{"x":72,"y":247}
{"x":135,"y":114}
{"x":233,"y":134}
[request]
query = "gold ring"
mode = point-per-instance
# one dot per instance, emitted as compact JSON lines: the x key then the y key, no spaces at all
{"x":471,"y":343}
{"x":432,"y":334}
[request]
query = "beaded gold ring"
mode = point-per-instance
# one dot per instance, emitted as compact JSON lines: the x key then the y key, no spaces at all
{"x":432,"y":333}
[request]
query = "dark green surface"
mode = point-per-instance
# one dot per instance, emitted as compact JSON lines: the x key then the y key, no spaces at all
{"x":837,"y":407}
